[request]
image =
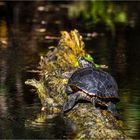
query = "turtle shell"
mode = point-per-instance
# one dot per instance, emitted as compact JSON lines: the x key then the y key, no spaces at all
{"x":94,"y":82}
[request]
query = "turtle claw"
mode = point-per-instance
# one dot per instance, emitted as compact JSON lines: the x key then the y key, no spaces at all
{"x":67,"y":106}
{"x":71,"y":102}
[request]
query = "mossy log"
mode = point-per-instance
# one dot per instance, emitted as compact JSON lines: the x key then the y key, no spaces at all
{"x":55,"y":69}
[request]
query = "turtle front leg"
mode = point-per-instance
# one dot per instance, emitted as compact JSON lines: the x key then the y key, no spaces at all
{"x":71,"y":102}
{"x":112,"y":108}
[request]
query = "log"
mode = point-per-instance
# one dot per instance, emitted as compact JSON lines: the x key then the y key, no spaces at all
{"x":55,"y":68}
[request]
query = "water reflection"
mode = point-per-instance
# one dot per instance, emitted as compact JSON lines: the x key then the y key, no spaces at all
{"x":51,"y":126}
{"x":120,"y":53}
{"x":3,"y":103}
{"x":3,"y":34}
{"x":130,"y":110}
{"x":24,"y":35}
{"x":117,"y":54}
{"x":21,"y":52}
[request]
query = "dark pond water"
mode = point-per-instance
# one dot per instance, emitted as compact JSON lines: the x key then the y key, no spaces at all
{"x":24,"y":36}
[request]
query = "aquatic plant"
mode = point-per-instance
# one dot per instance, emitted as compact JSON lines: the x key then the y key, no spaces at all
{"x":72,"y":46}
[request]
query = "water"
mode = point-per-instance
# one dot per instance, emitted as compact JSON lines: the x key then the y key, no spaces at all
{"x":23,"y":38}
{"x":122,"y":56}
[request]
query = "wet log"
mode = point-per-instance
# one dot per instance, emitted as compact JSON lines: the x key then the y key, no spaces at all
{"x":55,"y":68}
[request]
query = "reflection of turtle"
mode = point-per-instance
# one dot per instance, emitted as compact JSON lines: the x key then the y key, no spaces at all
{"x":91,"y":84}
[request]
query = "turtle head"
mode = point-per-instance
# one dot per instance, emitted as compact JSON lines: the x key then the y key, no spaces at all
{"x":83,"y":62}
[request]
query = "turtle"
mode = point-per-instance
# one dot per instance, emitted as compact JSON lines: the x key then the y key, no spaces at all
{"x":94,"y":85}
